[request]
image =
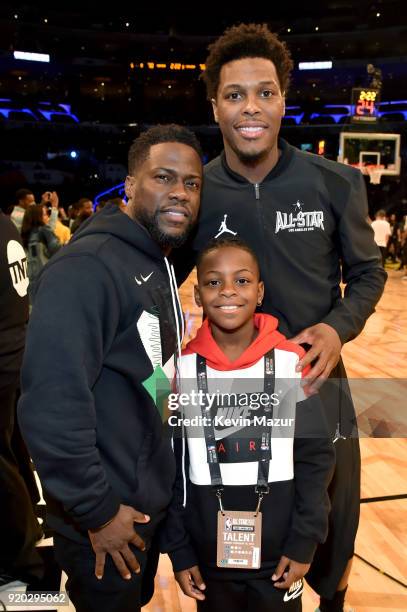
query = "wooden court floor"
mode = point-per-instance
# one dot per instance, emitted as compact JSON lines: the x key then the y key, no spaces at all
{"x":380,"y":352}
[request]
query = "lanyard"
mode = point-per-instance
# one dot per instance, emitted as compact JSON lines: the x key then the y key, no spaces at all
{"x":262,"y":487}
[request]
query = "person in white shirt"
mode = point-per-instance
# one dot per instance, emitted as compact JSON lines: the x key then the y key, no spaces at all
{"x":382,"y":232}
{"x":24,"y":198}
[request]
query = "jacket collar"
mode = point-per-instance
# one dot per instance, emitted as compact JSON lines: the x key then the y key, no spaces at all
{"x":287,"y":152}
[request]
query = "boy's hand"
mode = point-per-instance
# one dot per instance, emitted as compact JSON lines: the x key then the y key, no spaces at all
{"x":295,"y":572}
{"x":191,"y":583}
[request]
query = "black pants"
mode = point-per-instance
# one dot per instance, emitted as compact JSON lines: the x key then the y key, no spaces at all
{"x":383,"y":252}
{"x":19,"y":526}
{"x":110,"y":594}
{"x":249,"y":596}
{"x":331,"y":558}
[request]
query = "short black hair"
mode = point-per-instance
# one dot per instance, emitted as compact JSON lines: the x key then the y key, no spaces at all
{"x":80,"y":203}
{"x":242,"y":41}
{"x":22,"y":193}
{"x":140,"y":149}
{"x":223,"y":242}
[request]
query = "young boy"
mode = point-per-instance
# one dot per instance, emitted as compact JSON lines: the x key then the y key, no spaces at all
{"x":251,"y":505}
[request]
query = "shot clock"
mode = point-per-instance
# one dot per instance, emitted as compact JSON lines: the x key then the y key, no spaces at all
{"x":365,"y":105}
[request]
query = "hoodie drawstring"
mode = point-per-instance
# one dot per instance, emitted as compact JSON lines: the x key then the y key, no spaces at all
{"x":178,"y":315}
{"x":175,"y":305}
{"x":178,"y":301}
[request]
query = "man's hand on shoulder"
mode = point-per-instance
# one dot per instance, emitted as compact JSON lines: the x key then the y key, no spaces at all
{"x":114,"y":539}
{"x":191,"y":583}
{"x":325,"y":351}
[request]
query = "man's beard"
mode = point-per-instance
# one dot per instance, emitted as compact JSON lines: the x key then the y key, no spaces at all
{"x":164,"y":241}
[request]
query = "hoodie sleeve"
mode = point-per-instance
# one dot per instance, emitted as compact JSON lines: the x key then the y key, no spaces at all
{"x":362,"y":270}
{"x":73,"y":323}
{"x":174,"y":538}
{"x":314,"y":459}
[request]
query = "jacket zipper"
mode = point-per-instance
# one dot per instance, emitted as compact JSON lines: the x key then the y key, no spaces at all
{"x":261,"y":222}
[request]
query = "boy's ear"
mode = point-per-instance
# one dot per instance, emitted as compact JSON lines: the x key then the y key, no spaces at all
{"x":260,"y":293}
{"x":197,"y":296}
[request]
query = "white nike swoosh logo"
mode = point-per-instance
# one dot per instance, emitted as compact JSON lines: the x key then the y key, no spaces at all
{"x":144,"y":279}
{"x":147,"y":277}
{"x":294,"y":594}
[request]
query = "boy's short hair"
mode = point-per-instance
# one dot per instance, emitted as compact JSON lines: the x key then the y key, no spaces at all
{"x":225,"y":241}
{"x":242,"y":41}
{"x":140,"y":149}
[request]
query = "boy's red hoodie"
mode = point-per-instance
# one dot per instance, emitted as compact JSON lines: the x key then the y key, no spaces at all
{"x":267,"y":338}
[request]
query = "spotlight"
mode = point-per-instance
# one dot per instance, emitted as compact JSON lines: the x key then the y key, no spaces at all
{"x":73,"y":154}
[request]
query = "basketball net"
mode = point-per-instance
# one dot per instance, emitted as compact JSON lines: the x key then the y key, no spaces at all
{"x":374,"y":173}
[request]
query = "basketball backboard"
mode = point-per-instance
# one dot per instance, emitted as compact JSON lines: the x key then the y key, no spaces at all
{"x":371,"y":152}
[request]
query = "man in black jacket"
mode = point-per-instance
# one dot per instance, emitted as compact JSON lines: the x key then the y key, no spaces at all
{"x":19,"y":528}
{"x":104,"y":332}
{"x":305,"y":217}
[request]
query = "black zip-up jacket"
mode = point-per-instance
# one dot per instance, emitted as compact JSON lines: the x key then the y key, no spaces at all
{"x":102,"y":323}
{"x":308,"y":216}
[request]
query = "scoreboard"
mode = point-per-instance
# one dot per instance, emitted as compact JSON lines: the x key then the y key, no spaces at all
{"x":365,"y":105}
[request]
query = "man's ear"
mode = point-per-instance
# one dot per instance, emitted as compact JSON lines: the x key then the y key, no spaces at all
{"x":283,"y":113}
{"x":215,"y":109}
{"x":197,"y":296}
{"x":129,"y":186}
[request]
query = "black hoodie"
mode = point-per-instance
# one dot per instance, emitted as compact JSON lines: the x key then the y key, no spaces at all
{"x":103,"y":329}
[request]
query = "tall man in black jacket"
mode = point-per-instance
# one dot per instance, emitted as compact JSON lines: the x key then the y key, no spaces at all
{"x":105,"y":327}
{"x":305,"y":217}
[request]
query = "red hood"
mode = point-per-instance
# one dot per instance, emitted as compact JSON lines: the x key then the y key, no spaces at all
{"x":267,"y":339}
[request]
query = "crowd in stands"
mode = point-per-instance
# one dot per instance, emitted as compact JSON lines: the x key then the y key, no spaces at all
{"x":46,"y":226}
